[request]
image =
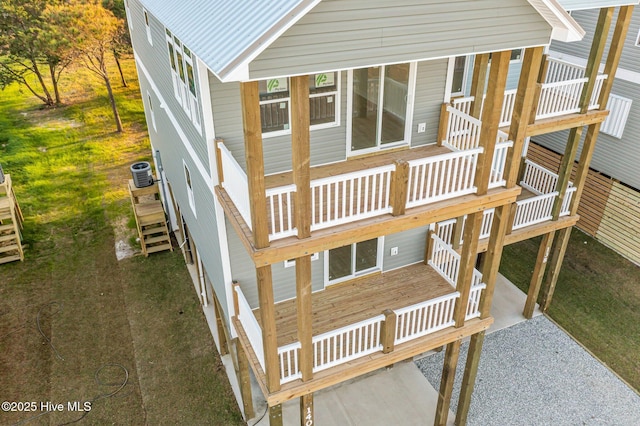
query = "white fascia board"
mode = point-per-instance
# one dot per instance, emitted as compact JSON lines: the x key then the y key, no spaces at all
{"x":564,"y":27}
{"x":238,"y":70}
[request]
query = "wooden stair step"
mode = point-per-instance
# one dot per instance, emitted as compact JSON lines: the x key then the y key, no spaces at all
{"x":4,"y":249}
{"x":148,"y":230}
{"x":11,"y":258}
{"x":9,"y":227}
{"x":8,"y":237}
{"x":162,"y":247}
{"x":153,"y":240}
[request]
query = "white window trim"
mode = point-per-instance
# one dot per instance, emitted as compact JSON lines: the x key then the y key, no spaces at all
{"x":292,"y":262}
{"x":377,"y":268}
{"x":147,"y":24}
{"x":638,"y":39}
{"x":450,"y":73}
{"x":188,"y":181}
{"x":335,"y":123}
{"x":413,"y":71}
{"x":152,"y":112}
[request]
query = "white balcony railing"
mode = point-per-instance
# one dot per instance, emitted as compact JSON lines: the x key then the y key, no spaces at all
{"x":288,"y":357}
{"x":538,"y":179}
{"x":250,"y":325}
{"x":235,"y":183}
{"x":496,"y":179}
{"x":442,"y":177}
{"x":347,"y":343}
{"x":425,"y":318}
{"x":463,"y":130}
{"x":280,"y":207}
{"x":534,"y":210}
{"x":345,"y":198}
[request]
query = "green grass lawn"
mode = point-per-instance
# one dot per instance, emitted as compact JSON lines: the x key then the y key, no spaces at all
{"x":69,"y":169}
{"x":597,"y":299}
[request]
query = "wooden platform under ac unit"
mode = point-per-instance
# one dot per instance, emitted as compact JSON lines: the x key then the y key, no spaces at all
{"x":10,"y":224}
{"x":150,"y":218}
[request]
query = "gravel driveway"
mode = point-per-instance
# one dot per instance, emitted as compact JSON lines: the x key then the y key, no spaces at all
{"x":533,"y":373}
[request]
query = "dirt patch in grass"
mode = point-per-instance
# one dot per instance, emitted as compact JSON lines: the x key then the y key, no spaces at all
{"x":597,"y":299}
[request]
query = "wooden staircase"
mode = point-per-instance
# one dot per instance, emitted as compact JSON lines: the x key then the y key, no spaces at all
{"x":150,"y":219}
{"x":10,"y":224}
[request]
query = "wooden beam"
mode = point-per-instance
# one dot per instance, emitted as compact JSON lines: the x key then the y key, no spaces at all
{"x":306,"y":410}
{"x":468,"y":258}
{"x":550,"y":125}
{"x":268,"y":322}
{"x":446,"y":384}
{"x":595,"y":56}
{"x":551,"y":279}
{"x":469,"y":377}
{"x":458,"y":229}
{"x":223,"y":338}
{"x":304,"y":313}
{"x":491,"y":260}
{"x":491,"y":113}
{"x":300,"y":153}
{"x":478,"y":83}
{"x":399,"y":185}
{"x":524,"y":109}
{"x":538,"y":273}
{"x":244,"y":380}
{"x":250,"y":101}
{"x":275,"y":415}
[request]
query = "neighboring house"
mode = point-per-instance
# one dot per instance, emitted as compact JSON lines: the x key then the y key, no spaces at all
{"x":612,"y":202}
{"x":332,"y":198}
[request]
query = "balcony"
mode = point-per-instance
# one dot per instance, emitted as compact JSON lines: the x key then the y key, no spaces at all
{"x":559,"y":94}
{"x":534,"y":205}
{"x":374,"y":314}
{"x":383,"y":184}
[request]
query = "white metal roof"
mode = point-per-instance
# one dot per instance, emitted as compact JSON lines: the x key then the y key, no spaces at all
{"x":227,"y":34}
{"x":565,"y":28}
{"x":594,"y":4}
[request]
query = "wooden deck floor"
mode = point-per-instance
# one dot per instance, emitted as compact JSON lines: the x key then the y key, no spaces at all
{"x":347,"y":303}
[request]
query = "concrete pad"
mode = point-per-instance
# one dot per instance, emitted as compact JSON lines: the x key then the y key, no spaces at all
{"x":397,"y":396}
{"x":508,"y":303}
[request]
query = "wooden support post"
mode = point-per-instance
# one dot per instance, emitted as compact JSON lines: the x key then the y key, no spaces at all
{"x":399,"y":186}
{"x":557,"y":256}
{"x":469,"y":377}
{"x":467,"y":265}
{"x":564,"y":172}
{"x":512,"y":217}
{"x":595,"y":56}
{"x":304,"y":314}
{"x":223,"y":338}
{"x":491,"y":113}
{"x":524,"y":111}
{"x":479,"y":83}
{"x":446,"y":384}
{"x":268,"y":321}
{"x":538,"y":274}
{"x":254,"y":157}
{"x":493,"y":255}
{"x":428,"y":247}
{"x":245,"y":382}
{"x":388,"y":331}
{"x":444,"y":124}
{"x":306,"y":410}
{"x":458,"y":228}
{"x":300,"y":150}
{"x":219,"y":168}
{"x":275,"y":415}
{"x":236,"y":305}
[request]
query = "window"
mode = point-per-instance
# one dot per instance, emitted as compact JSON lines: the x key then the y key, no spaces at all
{"x":292,"y":262}
{"x":380,"y":104}
{"x":187,"y":178}
{"x":147,"y":26}
{"x":459,"y":76}
{"x":275,"y":99}
{"x":153,"y":116}
{"x":516,"y":55}
{"x":183,"y":76}
{"x":354,"y":260}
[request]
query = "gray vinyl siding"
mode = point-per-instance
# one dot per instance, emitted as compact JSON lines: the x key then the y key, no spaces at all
{"x":358,"y":33}
{"x":618,"y":158}
{"x":202,"y":225}
{"x":587,"y":19}
{"x":284,"y":279}
{"x":327,"y":145}
{"x":431,"y":77}
{"x":156,"y":60}
{"x":584,"y":4}
{"x":411,"y":246}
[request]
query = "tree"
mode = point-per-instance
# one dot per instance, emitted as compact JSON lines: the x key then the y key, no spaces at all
{"x":29,"y":42}
{"x":122,"y":42}
{"x":93,"y":29}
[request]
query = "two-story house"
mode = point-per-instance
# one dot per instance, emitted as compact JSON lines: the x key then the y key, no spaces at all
{"x":333,"y":186}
